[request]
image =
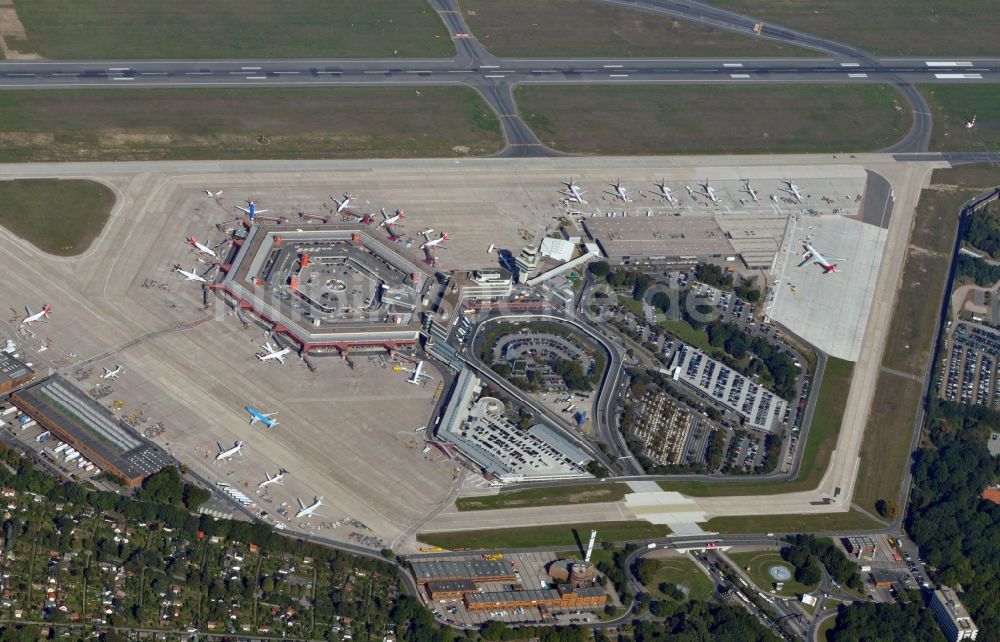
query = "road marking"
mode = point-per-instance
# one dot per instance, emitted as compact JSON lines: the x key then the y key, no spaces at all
{"x":123,"y":78}
{"x":21,"y":74}
{"x":732,"y":64}
{"x":959,"y":76}
{"x":377,"y":72}
{"x":460,"y":71}
{"x":739,"y":75}
{"x":617,"y":75}
{"x":330,"y":72}
{"x":857,"y":75}
{"x":493,"y":76}
{"x":948,"y":64}
{"x":256,"y":77}
{"x":119,"y":68}
{"x":544,"y":71}
{"x":154,"y":73}
{"x":250,"y":68}
{"x":850,"y":64}
{"x":199,"y":73}
{"x":489,"y":66}
{"x":613,"y":66}
{"x":419,"y":72}
{"x":288,"y":72}
{"x":65,"y":73}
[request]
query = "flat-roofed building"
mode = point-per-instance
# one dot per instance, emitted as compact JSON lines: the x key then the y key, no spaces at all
{"x":487,"y":283}
{"x":450,"y":589}
{"x":634,"y":240}
{"x":452,"y":570}
{"x":952,"y":616}
{"x":13,"y":372}
{"x":557,"y":599}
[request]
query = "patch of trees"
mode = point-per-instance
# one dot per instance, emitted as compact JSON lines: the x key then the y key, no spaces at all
{"x":746,"y":291}
{"x":694,"y":621}
{"x":772,"y":452}
{"x":494,"y":631}
{"x":167,"y":487}
{"x":958,"y":532}
{"x":572,"y":373}
{"x":713,"y":275}
{"x":716,"y":450}
{"x":981,"y":272}
{"x":983,"y":231}
{"x":806,"y":553}
{"x":777,"y":365}
{"x":617,"y":572}
{"x":903,"y":620}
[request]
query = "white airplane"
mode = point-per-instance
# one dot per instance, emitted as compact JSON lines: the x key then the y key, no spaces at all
{"x":226,"y":454}
{"x":417,"y":374}
{"x":620,"y":191}
{"x":575,"y":193}
{"x":391,"y":220}
{"x":309,"y":511}
{"x":111,"y":374}
{"x":344,"y":204}
{"x":190,"y":276}
{"x":31,"y":318}
{"x":666,"y":192}
{"x":251,"y":209}
{"x":273,"y":480}
{"x":708,"y":191}
{"x":204,"y":249}
{"x":433,"y":242}
{"x":793,"y":189}
{"x":267,"y":418}
{"x":214,"y":194}
{"x":751,"y":191}
{"x":272,"y":353}
{"x":812,"y":255}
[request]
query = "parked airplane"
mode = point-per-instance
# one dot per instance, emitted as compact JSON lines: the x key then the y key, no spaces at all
{"x":344,"y":204}
{"x":812,"y":255}
{"x":751,"y":191}
{"x":620,"y":191}
{"x":251,"y":209}
{"x":190,"y":276}
{"x":227,"y":454}
{"x":707,"y":190}
{"x":309,"y":511}
{"x":417,"y":374}
{"x":666,"y":192}
{"x":575,"y":193}
{"x":204,"y":249}
{"x":433,"y":242}
{"x":391,"y":220}
{"x":31,"y":318}
{"x":793,"y":189}
{"x":265,"y":418}
{"x":273,"y":480}
{"x":111,"y":374}
{"x":272,"y":353}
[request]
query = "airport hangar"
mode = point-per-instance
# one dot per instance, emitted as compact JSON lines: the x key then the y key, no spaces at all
{"x":330,"y":289}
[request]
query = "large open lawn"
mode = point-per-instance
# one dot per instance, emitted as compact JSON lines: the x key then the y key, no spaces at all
{"x":713,"y":119}
{"x":885,"y":450}
{"x":792,"y":523}
{"x":220,"y":124}
{"x":539,"y":536}
{"x":915,"y":315}
{"x":683,"y":572}
{"x":584,"y":29}
{"x":819,"y":446}
{"x":888,"y":27}
{"x":759,"y":563}
{"x":954,"y":107}
{"x":191,"y":29}
{"x":60,"y":217}
{"x":549,"y":496}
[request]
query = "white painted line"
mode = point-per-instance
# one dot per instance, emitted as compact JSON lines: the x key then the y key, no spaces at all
{"x":732,"y":64}
{"x":119,"y":68}
{"x":959,"y":76}
{"x":460,"y":71}
{"x":489,"y":66}
{"x":199,"y":73}
{"x":154,"y":73}
{"x":857,"y":75}
{"x":330,"y":72}
{"x":64,"y":73}
{"x":493,"y":76}
{"x":850,"y":64}
{"x":544,"y":71}
{"x":613,"y":66}
{"x":948,"y":64}
{"x":21,"y":74}
{"x":381,"y":73}
{"x":739,"y":75}
{"x":123,"y":78}
{"x":250,"y":68}
{"x":256,"y":77}
{"x":419,"y":72}
{"x":288,"y":72}
{"x":617,"y":75}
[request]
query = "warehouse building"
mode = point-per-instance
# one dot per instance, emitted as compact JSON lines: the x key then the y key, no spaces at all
{"x":450,"y":590}
{"x":477,"y":570}
{"x":13,"y":372}
{"x":558,"y":599}
{"x":87,"y":426}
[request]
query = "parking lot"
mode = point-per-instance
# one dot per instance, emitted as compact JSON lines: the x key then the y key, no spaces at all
{"x":969,"y":374}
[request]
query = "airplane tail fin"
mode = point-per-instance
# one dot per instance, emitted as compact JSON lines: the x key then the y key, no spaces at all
{"x":47,"y":310}
{"x":832,"y":268}
{"x":444,"y":236}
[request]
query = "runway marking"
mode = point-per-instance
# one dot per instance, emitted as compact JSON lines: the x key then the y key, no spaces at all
{"x":850,"y":64}
{"x":857,"y":75}
{"x":948,"y":64}
{"x":21,"y":74}
{"x":250,"y":68}
{"x":959,"y":76}
{"x":123,"y":78}
{"x":197,"y":73}
{"x":376,"y":72}
{"x":256,"y":77}
{"x":65,"y":73}
{"x":154,"y":73}
{"x":617,"y":75}
{"x":544,"y":71}
{"x":419,"y":72}
{"x":330,"y":72}
{"x":288,"y":72}
{"x":489,"y":66}
{"x":460,"y":71}
{"x":739,"y":75}
{"x":119,"y":68}
{"x":613,"y":66}
{"x":732,"y":64}
{"x":494,"y":76}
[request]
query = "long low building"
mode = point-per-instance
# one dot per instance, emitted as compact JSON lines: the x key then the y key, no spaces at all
{"x":563,"y":598}
{"x":90,"y":428}
{"x":452,"y":570}
{"x":13,"y":372}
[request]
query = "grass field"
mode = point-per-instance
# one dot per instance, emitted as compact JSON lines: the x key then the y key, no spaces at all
{"x":61,"y":217}
{"x":818,"y":448}
{"x":682,"y":571}
{"x":662,"y":119}
{"x":554,"y":496}
{"x":582,"y":29}
{"x":915,"y":315}
{"x":794,"y":523}
{"x":825,"y":628}
{"x":953,"y":106}
{"x":683,"y":331}
{"x":759,"y":562}
{"x":190,"y":29}
{"x":888,"y":27}
{"x":885,"y":450}
{"x":538,"y":536}
{"x":221,"y":124}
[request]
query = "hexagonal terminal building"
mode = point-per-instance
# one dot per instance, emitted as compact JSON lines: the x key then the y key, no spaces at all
{"x":328,"y":288}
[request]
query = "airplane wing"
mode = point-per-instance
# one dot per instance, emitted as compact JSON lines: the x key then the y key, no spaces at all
{"x":302,"y":505}
{"x":245,"y":209}
{"x":809,"y":260}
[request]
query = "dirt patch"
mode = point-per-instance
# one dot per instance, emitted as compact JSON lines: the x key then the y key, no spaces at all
{"x":11,"y":28}
{"x":30,"y":139}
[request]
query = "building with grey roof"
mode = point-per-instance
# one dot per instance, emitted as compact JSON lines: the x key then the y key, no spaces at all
{"x":952,"y":616}
{"x":453,"y":570}
{"x":13,"y":372}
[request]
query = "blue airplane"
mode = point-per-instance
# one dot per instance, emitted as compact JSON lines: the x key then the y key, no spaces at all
{"x":251,"y":209}
{"x":265,"y":418}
